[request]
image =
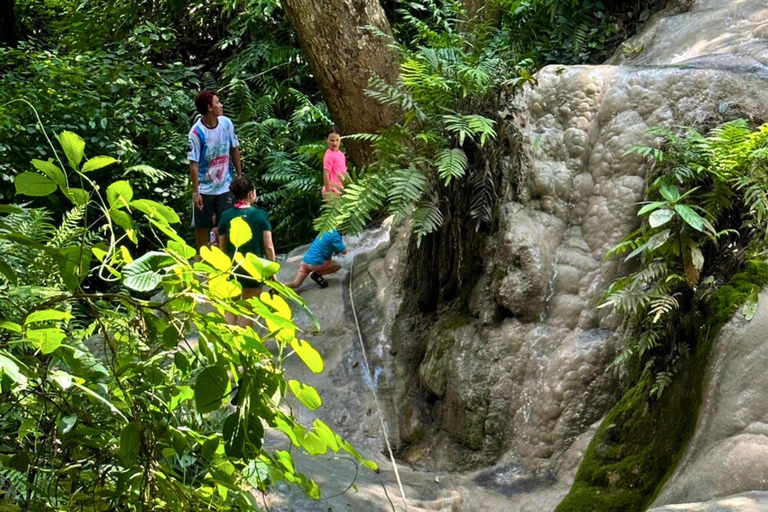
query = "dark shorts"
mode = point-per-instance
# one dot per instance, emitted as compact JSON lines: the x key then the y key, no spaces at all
{"x":247,"y":282}
{"x":203,"y":219}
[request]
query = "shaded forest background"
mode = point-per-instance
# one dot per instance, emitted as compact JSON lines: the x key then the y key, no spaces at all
{"x":123,"y":73}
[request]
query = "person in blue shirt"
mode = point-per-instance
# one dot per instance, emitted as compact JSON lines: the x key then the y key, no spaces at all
{"x":318,"y":260}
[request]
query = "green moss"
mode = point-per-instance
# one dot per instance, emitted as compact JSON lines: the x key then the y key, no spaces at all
{"x":638,"y":446}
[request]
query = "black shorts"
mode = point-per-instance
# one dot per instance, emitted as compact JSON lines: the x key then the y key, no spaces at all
{"x":203,"y":219}
{"x":247,"y":282}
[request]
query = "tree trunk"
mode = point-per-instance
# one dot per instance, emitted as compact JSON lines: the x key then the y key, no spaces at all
{"x":7,"y":23}
{"x":343,"y":55}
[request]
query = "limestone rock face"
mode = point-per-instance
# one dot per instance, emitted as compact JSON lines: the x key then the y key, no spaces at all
{"x":529,"y":371}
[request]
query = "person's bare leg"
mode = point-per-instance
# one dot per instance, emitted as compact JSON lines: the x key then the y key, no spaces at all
{"x":301,"y":275}
{"x":202,"y":236}
{"x":333,"y":267}
{"x":248,"y":293}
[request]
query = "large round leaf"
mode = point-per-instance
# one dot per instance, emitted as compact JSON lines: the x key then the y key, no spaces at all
{"x":243,"y":437}
{"x":130,"y":443}
{"x":144,"y":274}
{"x":34,"y":184}
{"x":240,"y":232}
{"x":308,"y":354}
{"x":211,"y":387}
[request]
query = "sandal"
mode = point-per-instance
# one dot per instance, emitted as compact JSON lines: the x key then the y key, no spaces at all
{"x":320,"y":280}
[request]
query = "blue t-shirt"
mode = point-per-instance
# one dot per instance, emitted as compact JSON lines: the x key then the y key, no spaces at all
{"x":210,"y":148}
{"x":323,"y":247}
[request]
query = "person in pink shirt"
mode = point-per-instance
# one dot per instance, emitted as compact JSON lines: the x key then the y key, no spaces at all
{"x":334,"y":164}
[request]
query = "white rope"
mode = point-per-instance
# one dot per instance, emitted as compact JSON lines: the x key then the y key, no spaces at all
{"x":373,"y":386}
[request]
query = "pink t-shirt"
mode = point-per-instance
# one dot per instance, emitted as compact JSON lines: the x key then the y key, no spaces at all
{"x":334,"y":167}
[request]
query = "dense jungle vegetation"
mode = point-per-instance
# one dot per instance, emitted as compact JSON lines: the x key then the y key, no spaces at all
{"x":114,"y":396}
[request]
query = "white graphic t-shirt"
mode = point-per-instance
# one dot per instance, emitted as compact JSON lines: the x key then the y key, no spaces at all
{"x":210,"y":148}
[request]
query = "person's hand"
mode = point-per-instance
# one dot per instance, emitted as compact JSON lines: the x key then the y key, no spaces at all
{"x":197,"y":199}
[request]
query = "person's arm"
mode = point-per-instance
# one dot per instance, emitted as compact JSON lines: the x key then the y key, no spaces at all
{"x":234,"y":150}
{"x":235,"y":154}
{"x":223,"y":239}
{"x":269,"y":246}
{"x":338,"y":244}
{"x":194,"y":178}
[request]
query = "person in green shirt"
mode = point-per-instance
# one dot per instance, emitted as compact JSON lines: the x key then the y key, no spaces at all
{"x":244,"y":192}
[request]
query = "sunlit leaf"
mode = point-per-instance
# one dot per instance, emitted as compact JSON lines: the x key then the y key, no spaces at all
{"x":98,"y":162}
{"x":306,"y":394}
{"x":308,"y":354}
{"x":239,"y":232}
{"x":74,"y":147}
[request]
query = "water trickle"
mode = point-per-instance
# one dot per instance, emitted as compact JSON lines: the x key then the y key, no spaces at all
{"x":551,"y":287}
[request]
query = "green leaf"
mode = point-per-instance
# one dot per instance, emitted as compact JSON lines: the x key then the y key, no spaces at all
{"x":660,"y":217}
{"x":156,"y":210}
{"x":690,"y":217}
{"x":223,"y":287}
{"x":308,"y":354}
{"x":182,"y":249}
{"x":122,"y":219}
{"x":34,"y":184}
{"x":239,"y":232}
{"x":9,"y":208}
{"x":216,"y":257}
{"x":52,"y":171}
{"x":326,"y":434}
{"x":210,"y":446}
{"x":243,"y":437}
{"x":119,"y":194}
{"x":651,"y":207}
{"x":9,"y":366}
{"x":750,"y":306}
{"x":78,"y":196}
{"x":98,"y":162}
{"x":144,"y":274}
{"x":312,"y":443}
{"x":670,"y":192}
{"x":130,"y":443}
{"x":10,"y":326}
{"x":46,"y":340}
{"x":211,"y":386}
{"x":67,"y":423}
{"x":74,"y":147}
{"x":74,"y":265}
{"x":371,"y":465}
{"x":306,"y":394}
{"x":47,"y":315}
{"x":8,"y":272}
{"x":451,"y":163}
{"x":91,"y":393}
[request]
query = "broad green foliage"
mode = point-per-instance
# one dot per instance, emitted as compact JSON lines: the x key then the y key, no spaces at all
{"x":121,"y":385}
{"x":443,"y":85}
{"x":565,"y":31}
{"x":121,"y":105}
{"x":707,"y":208}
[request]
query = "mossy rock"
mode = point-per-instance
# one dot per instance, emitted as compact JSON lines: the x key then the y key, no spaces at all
{"x":638,"y":445}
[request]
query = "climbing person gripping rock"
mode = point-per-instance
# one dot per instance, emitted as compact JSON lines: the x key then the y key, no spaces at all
{"x":318,"y":260}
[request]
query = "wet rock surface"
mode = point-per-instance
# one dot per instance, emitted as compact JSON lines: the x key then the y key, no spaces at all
{"x":728,"y":454}
{"x":527,"y":372}
{"x":522,"y":379}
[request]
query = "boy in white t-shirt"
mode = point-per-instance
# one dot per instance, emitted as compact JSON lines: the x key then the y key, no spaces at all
{"x":213,"y":149}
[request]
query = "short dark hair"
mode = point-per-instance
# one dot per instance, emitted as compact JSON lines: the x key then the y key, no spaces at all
{"x":241,"y":187}
{"x":331,"y":130}
{"x":203,"y":100}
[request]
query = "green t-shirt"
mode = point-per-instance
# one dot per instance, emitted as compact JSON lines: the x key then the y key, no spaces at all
{"x":257,"y":219}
